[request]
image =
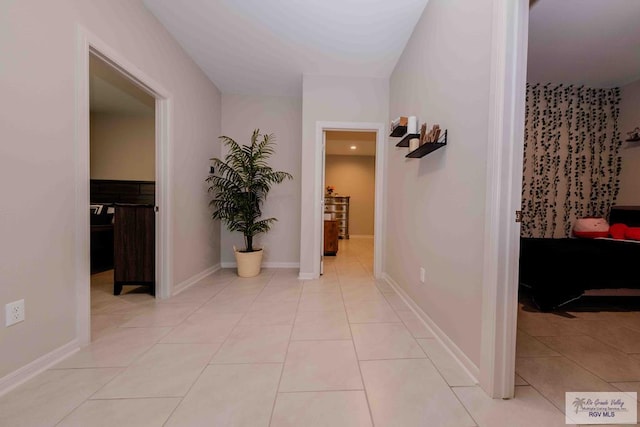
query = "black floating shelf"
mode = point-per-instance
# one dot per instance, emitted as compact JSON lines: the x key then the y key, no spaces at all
{"x":425,"y":149}
{"x":428,"y":147}
{"x":398,"y":131}
{"x":404,"y":142}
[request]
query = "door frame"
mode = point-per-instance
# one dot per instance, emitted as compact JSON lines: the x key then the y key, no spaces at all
{"x":88,"y":43}
{"x":378,"y":221}
{"x":503,"y":196}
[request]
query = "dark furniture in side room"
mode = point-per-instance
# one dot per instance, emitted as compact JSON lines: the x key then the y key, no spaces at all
{"x":106,"y":192}
{"x":557,"y":271}
{"x":134,"y":246}
{"x":101,"y":247}
{"x":331,"y":231}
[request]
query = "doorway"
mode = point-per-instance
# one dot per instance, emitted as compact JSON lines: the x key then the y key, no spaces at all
{"x":321,"y":129}
{"x":88,"y":46}
{"x":572,"y":321}
{"x":349,"y":203}
{"x":122,"y":170}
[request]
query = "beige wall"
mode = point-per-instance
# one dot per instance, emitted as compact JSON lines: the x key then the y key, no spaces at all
{"x":38,"y":41}
{"x":629,"y":120}
{"x":339,"y":99}
{"x":281,"y":116}
{"x":354,"y":176}
{"x":436,"y":205}
{"x":123,"y":147}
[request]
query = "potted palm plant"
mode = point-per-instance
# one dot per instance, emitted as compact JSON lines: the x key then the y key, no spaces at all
{"x":239,"y":189}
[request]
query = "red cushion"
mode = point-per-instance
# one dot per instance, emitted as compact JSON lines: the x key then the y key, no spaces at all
{"x":632,"y":233}
{"x":591,"y":227}
{"x":617,"y":230}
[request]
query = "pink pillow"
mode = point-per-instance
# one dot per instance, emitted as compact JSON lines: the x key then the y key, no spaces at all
{"x":591,"y":227}
{"x":632,"y":233}
{"x":617,"y":231}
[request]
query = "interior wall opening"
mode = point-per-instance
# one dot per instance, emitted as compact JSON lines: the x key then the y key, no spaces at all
{"x":349,"y":197}
{"x":579,"y":300}
{"x":122,"y":157}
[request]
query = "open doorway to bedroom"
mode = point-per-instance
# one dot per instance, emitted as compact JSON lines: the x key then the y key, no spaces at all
{"x":349,"y":202}
{"x":579,"y":296}
{"x":122,"y":148}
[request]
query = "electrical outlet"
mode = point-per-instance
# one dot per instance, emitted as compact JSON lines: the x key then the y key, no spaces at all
{"x":14,"y":312}
{"x":422,"y":275}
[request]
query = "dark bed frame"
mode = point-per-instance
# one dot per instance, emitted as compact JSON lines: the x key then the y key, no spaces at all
{"x":557,"y":271}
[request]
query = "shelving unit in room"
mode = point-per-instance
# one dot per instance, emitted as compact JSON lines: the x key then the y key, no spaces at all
{"x":424,"y":149}
{"x":428,"y":147}
{"x":404,"y":142}
{"x":398,"y":131}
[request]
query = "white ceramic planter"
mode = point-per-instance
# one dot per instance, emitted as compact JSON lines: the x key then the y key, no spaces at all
{"x":248,"y":262}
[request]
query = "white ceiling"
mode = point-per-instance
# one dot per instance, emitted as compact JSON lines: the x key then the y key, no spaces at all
{"x":110,"y":92}
{"x":590,"y":42}
{"x":265,"y":46}
{"x":340,"y":143}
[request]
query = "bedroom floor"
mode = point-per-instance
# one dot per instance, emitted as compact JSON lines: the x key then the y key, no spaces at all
{"x":268,"y":351}
{"x":592,"y":346}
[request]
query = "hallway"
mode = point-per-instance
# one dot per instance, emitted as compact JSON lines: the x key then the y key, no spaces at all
{"x":272,"y":350}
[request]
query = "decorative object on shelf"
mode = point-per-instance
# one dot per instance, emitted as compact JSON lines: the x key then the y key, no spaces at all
{"x":414,"y":143}
{"x":412,"y":126}
{"x":399,"y":126}
{"x":634,"y":135}
{"x":240,"y":188}
{"x":330,"y":190}
{"x":433,"y":134}
{"x":423,"y":133}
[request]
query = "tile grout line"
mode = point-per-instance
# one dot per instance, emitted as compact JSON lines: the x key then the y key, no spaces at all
{"x":364,"y":387}
{"x":203,"y":368}
{"x":286,"y":354}
{"x":151,"y":347}
{"x":435,"y":366}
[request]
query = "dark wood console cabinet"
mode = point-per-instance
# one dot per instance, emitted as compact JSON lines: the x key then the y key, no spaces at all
{"x":134,"y":246}
{"x":331,"y":231}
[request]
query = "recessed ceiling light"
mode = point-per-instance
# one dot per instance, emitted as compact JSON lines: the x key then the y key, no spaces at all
{"x":353,"y":147}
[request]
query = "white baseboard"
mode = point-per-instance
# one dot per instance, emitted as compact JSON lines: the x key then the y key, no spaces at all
{"x":265,"y":264}
{"x":465,"y":363}
{"x":186,"y":284}
{"x":24,"y":374}
{"x":305,"y":276}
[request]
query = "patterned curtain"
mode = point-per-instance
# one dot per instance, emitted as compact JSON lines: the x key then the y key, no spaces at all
{"x":571,"y":157}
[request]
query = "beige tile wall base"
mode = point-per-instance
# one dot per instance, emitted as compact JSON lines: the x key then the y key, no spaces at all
{"x":186,"y":284}
{"x":41,"y":364}
{"x":465,"y":363}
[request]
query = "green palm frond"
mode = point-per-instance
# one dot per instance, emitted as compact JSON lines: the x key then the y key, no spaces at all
{"x":241,"y":184}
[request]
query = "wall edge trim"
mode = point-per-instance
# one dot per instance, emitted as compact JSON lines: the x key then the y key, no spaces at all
{"x":458,"y":355}
{"x":186,"y":284}
{"x":41,"y":364}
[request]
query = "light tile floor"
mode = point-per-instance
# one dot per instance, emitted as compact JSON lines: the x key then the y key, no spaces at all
{"x":275,"y":351}
{"x":592,"y":344}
